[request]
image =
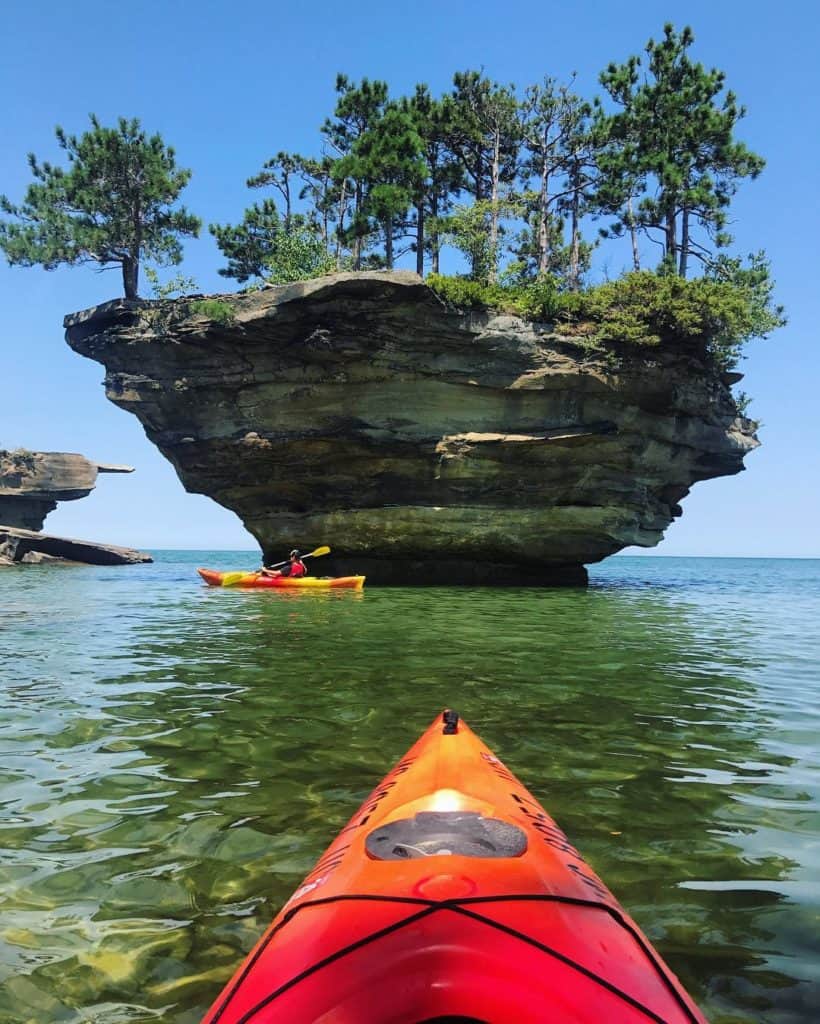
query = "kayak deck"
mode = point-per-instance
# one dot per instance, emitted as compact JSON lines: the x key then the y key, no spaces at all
{"x":257,"y":581}
{"x":452,"y":894}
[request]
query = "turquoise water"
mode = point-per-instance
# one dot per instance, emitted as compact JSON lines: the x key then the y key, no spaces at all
{"x":173,"y":760}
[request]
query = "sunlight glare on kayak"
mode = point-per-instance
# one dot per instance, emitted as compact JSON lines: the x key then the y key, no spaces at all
{"x":447,"y":800}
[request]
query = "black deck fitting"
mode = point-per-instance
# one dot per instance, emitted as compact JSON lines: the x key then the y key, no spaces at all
{"x":450,"y":719}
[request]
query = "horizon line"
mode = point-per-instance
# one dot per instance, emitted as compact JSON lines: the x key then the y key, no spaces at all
{"x":618,"y":554}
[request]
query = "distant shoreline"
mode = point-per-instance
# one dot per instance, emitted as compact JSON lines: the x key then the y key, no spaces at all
{"x":592,"y":565}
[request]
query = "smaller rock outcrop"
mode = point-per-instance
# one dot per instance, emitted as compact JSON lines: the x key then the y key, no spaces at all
{"x":31,"y":484}
{"x":30,"y":547}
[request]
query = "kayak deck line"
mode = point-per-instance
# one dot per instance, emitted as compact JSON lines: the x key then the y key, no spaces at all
{"x":427,"y":905}
{"x":460,"y":906}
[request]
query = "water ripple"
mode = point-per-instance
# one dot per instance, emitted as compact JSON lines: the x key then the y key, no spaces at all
{"x":174,"y":759}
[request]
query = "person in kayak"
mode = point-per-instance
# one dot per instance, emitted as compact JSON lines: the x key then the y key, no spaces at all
{"x":295,"y":568}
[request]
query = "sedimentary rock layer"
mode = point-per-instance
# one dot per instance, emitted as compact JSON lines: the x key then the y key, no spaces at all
{"x":31,"y":484}
{"x":30,"y":547}
{"x":422,"y":443}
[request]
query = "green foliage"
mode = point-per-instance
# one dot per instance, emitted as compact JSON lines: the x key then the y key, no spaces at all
{"x":297,"y":255}
{"x":174,"y":286}
{"x":641,"y":308}
{"x":673,"y":137}
{"x":743,"y":400}
{"x":358,"y":109}
{"x":644,"y":308}
{"x":262,"y":247}
{"x":754,"y":282}
{"x":535,"y":300}
{"x":282,"y":173}
{"x":443,"y":178}
{"x":216,"y":310}
{"x":167,"y":313}
{"x":386,"y":160}
{"x":248,"y":246}
{"x":113,"y":204}
{"x":485,"y":132}
{"x":468,"y":228}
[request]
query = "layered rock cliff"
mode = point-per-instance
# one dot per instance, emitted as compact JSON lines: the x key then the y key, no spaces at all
{"x":422,"y":443}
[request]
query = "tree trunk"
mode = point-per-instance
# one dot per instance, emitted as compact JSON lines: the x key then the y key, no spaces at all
{"x":388,"y":242}
{"x":574,"y":251}
{"x":633,"y":235}
{"x":671,"y":237}
{"x":357,"y":239}
{"x":420,"y":238}
{"x":286,"y":190}
{"x":493,"y":270}
{"x":684,"y":242}
{"x":130,"y":277}
{"x":543,"y":222}
{"x":341,"y":227}
{"x":434,"y":235}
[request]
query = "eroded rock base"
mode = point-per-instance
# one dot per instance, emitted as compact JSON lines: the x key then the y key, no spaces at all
{"x":445,"y":573}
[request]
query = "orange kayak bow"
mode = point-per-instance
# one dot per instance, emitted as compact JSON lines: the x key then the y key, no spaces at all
{"x":452,"y":895}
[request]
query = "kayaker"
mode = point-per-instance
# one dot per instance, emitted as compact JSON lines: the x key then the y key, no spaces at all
{"x":295,"y":568}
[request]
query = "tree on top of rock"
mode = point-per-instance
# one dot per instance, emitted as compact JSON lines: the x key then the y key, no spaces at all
{"x":113,"y":205}
{"x":674,"y":137}
{"x":486,"y":139}
{"x":387,"y":160}
{"x":249,"y":246}
{"x":358,"y":108}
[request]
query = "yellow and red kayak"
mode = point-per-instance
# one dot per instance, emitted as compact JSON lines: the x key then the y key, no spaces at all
{"x":452,"y":895}
{"x":255,"y":579}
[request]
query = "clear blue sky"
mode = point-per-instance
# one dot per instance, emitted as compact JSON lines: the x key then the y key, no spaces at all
{"x":230,"y":84}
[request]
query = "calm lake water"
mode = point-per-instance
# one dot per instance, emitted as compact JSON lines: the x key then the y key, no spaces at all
{"x":173,"y":759}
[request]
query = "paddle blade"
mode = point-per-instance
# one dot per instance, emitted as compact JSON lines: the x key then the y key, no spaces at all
{"x":230,"y":579}
{"x":324,"y":550}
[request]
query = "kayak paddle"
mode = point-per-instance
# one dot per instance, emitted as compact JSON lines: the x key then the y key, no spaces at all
{"x":230,"y":579}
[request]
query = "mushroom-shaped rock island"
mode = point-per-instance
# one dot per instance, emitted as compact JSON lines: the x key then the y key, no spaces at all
{"x":31,"y":484}
{"x":425,"y":444}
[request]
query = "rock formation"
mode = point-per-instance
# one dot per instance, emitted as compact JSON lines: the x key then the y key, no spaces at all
{"x":424,"y":444}
{"x":31,"y":484}
{"x":30,"y":547}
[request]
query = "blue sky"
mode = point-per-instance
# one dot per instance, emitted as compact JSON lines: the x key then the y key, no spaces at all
{"x":228,"y":85}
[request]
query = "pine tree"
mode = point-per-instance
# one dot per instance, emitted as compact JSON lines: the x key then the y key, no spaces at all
{"x":249,"y":246}
{"x":579,"y":147}
{"x":559,"y":160}
{"x":387,"y":159}
{"x":112,"y":205}
{"x":486,"y":139}
{"x":443,"y":175}
{"x":358,"y":107}
{"x":673,"y":134}
{"x":327,"y":202}
{"x":280,"y":173}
